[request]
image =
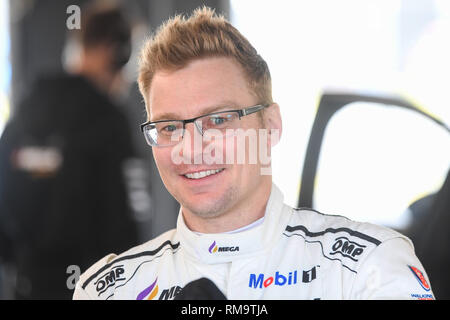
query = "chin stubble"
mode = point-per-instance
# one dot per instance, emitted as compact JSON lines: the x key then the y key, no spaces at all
{"x":216,"y":208}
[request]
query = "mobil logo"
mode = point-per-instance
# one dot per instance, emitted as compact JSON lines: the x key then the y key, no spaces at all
{"x":278,"y":279}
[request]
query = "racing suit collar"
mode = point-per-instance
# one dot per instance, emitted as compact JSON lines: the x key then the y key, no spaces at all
{"x":226,"y":247}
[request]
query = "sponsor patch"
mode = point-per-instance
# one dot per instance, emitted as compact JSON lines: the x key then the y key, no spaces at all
{"x":213,"y":248}
{"x":420,"y":278}
{"x":279,"y":279}
{"x":347,"y":248}
{"x":150,"y":292}
{"x":421,"y":296}
{"x":109,"y":279}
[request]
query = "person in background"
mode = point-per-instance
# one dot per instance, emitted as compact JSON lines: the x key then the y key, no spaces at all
{"x":63,"y":197}
{"x":433,"y":245}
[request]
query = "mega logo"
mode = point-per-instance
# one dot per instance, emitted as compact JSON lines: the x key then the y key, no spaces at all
{"x":347,"y":248}
{"x":213,"y":248}
{"x":420,"y":278}
{"x":280,"y":279}
{"x":150,"y":292}
{"x":109,"y":279}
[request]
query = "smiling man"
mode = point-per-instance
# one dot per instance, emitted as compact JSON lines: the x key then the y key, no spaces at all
{"x":218,"y":197}
{"x":211,"y":122}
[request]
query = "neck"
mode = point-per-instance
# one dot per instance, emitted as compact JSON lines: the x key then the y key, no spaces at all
{"x":250,"y":209}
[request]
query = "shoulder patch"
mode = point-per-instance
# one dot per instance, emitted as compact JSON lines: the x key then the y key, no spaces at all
{"x":114,"y":270}
{"x":420,"y":278}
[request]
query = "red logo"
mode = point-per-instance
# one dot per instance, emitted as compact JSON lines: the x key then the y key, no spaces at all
{"x":420,"y":277}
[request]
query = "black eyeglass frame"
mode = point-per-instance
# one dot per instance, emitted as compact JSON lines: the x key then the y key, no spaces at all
{"x":241,"y":112}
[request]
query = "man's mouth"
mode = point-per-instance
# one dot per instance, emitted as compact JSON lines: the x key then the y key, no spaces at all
{"x":202,"y":174}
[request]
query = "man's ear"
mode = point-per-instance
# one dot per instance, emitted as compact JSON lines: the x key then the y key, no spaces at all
{"x":273,"y":124}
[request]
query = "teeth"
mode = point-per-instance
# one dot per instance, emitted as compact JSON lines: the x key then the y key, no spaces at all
{"x":201,"y":174}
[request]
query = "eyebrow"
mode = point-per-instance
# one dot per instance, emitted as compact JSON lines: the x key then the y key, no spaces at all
{"x":227,"y":105}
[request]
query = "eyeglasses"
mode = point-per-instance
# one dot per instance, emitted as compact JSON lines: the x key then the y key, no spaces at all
{"x":165,"y":133}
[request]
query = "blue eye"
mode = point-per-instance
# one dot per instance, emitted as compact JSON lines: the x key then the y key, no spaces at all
{"x":218,"y":120}
{"x":169,"y":128}
{"x":221,"y":121}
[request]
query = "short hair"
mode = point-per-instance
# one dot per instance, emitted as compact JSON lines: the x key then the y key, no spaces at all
{"x":204,"y":34}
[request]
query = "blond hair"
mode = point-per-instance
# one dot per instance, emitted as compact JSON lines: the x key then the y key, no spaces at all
{"x":204,"y":34}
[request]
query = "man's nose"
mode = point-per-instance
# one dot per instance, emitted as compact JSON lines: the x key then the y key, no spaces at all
{"x":192,"y":144}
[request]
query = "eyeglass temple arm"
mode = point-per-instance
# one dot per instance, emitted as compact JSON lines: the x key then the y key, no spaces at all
{"x":253,"y":109}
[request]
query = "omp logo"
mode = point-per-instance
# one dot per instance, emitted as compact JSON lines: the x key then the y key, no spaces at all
{"x":149,"y":293}
{"x":347,"y":248}
{"x":280,"y":279}
{"x":420,"y":278}
{"x":109,"y":279}
{"x":213,"y":248}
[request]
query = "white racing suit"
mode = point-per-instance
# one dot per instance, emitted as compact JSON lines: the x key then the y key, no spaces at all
{"x":292,"y":254}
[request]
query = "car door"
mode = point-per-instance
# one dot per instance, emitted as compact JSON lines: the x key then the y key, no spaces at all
{"x":370,"y":157}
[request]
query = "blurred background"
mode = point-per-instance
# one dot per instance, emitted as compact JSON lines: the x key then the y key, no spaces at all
{"x":363,"y":90}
